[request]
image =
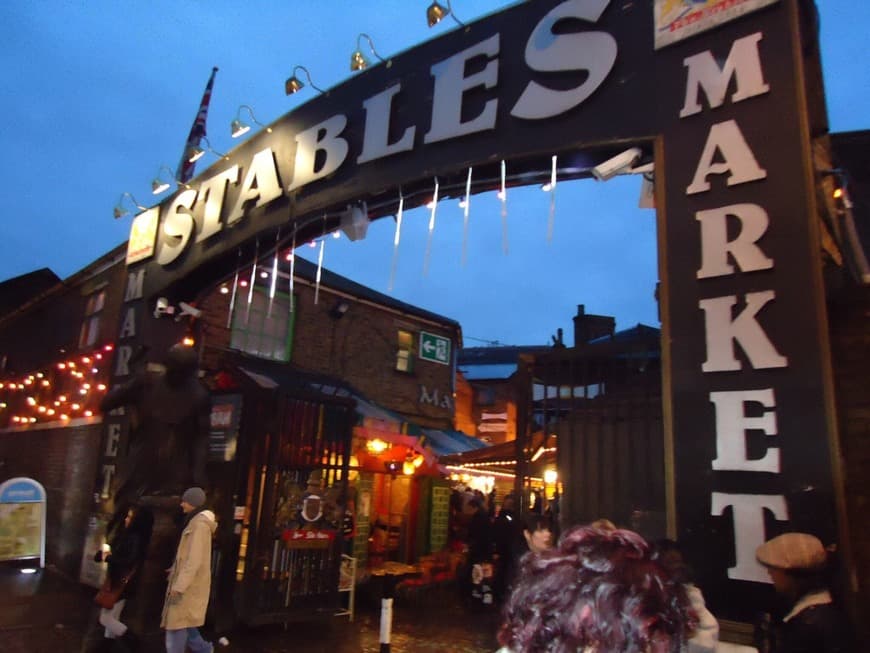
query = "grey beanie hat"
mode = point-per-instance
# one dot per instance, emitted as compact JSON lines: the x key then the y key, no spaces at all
{"x":195,"y":496}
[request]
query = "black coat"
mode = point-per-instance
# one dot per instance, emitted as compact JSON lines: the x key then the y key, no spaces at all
{"x":815,"y":629}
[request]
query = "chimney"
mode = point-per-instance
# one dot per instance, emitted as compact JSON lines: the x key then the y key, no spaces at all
{"x":590,"y":327}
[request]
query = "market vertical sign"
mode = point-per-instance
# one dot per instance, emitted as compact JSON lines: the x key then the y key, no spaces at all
{"x":744,"y":303}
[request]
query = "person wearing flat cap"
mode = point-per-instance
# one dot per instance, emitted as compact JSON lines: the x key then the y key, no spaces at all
{"x":189,"y":580}
{"x":798,"y":567}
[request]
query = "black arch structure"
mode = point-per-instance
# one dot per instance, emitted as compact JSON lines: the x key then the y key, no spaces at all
{"x":748,"y":408}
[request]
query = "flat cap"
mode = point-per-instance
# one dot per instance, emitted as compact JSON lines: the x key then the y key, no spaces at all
{"x":792,"y":551}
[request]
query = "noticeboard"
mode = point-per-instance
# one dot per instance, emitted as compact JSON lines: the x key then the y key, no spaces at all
{"x":22,"y":520}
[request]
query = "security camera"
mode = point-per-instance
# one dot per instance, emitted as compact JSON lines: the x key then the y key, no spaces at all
{"x":187,"y":309}
{"x":616,"y":165}
{"x":163,"y":308}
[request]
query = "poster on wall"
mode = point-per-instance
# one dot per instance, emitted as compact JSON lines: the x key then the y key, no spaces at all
{"x":676,"y":20}
{"x":224,"y":427}
{"x":22,"y":520}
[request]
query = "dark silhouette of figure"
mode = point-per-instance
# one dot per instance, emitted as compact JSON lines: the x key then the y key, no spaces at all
{"x":169,"y":427}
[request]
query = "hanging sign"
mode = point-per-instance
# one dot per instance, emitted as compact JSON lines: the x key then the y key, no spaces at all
{"x":676,"y":20}
{"x":435,"y":349}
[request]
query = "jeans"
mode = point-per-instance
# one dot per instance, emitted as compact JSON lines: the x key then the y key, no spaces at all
{"x":177,"y":639}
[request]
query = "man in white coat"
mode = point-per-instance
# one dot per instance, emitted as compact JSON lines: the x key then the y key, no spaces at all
{"x":189,"y":582}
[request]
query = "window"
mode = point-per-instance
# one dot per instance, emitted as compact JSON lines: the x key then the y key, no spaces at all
{"x":260,"y":332}
{"x":90,"y":330}
{"x":405,"y":353}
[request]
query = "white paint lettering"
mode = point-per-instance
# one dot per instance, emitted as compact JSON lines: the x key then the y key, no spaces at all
{"x":113,"y":437}
{"x":715,"y":246}
{"x":212,"y":192}
{"x":727,"y":139}
{"x":748,"y":512}
{"x":376,"y":135}
{"x":722,"y":332}
{"x":743,"y":62}
{"x":732,"y":424}
{"x":450,"y":85}
{"x":547,"y":51}
{"x":177,"y":227}
{"x":324,"y":137}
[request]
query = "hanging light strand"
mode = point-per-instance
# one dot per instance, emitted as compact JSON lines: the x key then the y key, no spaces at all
{"x":274,"y":273}
{"x":431,"y":230}
{"x":396,"y":239}
{"x":252,"y":282}
{"x":235,"y":290}
{"x":502,"y":196}
{"x":552,"y":217}
{"x":465,"y":218}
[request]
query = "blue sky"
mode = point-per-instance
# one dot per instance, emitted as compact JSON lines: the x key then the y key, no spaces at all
{"x":98,"y":94}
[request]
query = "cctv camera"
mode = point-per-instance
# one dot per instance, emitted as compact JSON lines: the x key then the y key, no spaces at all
{"x":616,"y":165}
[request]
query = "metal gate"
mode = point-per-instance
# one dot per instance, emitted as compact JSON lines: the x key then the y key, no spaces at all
{"x":602,"y":404}
{"x":290,"y":555}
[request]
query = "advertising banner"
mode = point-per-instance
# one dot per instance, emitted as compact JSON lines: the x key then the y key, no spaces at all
{"x":676,"y":20}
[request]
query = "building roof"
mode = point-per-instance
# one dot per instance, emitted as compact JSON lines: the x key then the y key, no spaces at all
{"x":19,"y":290}
{"x":308,"y":270}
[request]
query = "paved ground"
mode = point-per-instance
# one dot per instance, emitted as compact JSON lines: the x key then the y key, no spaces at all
{"x":50,"y":613}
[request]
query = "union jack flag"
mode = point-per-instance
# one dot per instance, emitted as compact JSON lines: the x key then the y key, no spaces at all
{"x":197,"y":131}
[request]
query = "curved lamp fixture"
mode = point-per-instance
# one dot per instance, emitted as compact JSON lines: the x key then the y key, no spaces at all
{"x":436,"y":13}
{"x":120,"y":211}
{"x":238,"y":127}
{"x":358,"y":60}
{"x":294,"y":84}
{"x":196,"y":153}
{"x":158,"y":185}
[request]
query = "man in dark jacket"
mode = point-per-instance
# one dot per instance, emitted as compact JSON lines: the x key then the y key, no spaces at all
{"x":797,"y":564}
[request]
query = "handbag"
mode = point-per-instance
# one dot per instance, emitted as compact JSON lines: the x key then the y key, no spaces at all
{"x":108,"y":595}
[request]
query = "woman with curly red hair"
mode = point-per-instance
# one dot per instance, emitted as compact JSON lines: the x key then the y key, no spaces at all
{"x":598,"y":591}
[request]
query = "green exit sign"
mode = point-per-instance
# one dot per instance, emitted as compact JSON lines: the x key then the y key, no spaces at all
{"x":434,"y":348}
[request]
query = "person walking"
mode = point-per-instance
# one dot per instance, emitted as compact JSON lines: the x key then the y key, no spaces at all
{"x":798,"y":566}
{"x":124,"y":556}
{"x":189,"y":582}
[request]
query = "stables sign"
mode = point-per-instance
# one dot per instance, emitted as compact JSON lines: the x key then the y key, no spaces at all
{"x":746,"y":387}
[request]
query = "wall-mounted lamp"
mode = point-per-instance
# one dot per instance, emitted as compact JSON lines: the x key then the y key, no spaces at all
{"x":339,"y":309}
{"x":238,"y":127}
{"x":120,"y":211}
{"x":158,"y":185}
{"x":294,"y":84}
{"x":358,"y":60}
{"x":436,"y":13}
{"x":196,"y":153}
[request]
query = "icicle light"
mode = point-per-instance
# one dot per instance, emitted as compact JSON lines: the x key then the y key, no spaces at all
{"x":552,"y":217}
{"x":396,"y":239}
{"x":434,"y":208}
{"x":319,"y":270}
{"x":235,"y":290}
{"x":465,"y":218}
{"x":253,"y":281}
{"x":502,"y":196}
{"x":274,"y":273}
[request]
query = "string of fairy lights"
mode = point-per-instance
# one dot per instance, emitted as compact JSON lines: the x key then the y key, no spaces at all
{"x":69,"y":389}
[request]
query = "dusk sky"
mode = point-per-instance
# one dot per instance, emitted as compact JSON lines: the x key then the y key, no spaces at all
{"x":99,"y":94}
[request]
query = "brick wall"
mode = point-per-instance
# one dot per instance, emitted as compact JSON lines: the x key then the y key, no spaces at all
{"x":359,"y":347}
{"x":64,"y":461}
{"x":850,"y":347}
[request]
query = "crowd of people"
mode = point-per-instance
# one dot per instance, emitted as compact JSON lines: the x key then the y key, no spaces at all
{"x":599,"y":588}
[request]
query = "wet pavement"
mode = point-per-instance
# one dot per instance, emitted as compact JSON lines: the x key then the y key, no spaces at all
{"x":48,"y":612}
